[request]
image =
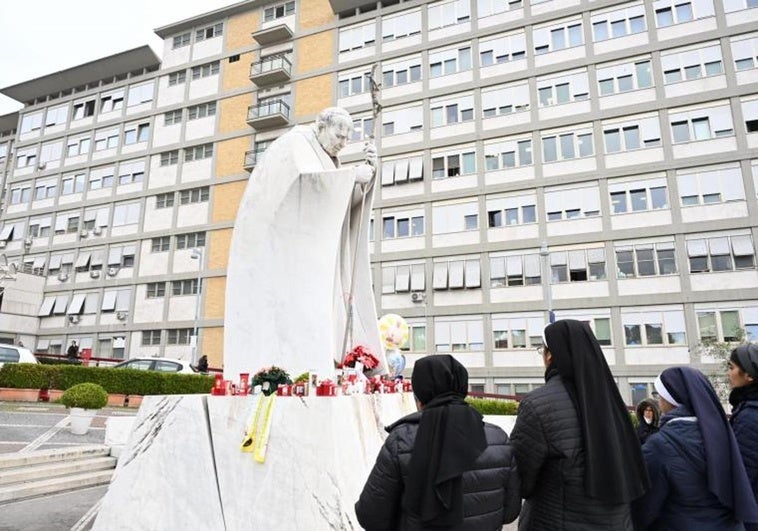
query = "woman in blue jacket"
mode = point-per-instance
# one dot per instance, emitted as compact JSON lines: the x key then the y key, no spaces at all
{"x":743,"y":377}
{"x":698,"y":480}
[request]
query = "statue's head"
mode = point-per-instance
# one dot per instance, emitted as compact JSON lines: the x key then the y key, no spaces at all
{"x":333,"y":129}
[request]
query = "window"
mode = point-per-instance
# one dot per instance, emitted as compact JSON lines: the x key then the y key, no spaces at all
{"x":693,"y":64}
{"x":56,"y":115}
{"x":503,"y":100}
{"x":172,"y":117}
{"x":745,"y":52}
{"x":457,"y":273}
{"x":177,"y":78}
{"x":632,"y":133}
{"x":618,"y":23}
{"x":515,"y":210}
{"x":200,"y":152}
{"x":638,"y":196}
{"x":508,"y":154}
{"x":720,"y":253}
{"x":706,"y":185}
{"x":126,"y":214}
{"x":101,"y":178}
{"x":77,"y":146}
{"x":724,"y":325}
{"x":701,"y":124}
{"x":169,"y":158}
{"x":403,"y":278}
{"x":671,"y":12}
{"x":565,"y":88}
{"x":624,"y":77}
{"x":451,"y":111}
{"x":350,"y":84}
{"x":402,"y":171}
{"x":112,"y":102}
{"x":357,"y":37}
{"x":151,"y":337}
{"x":160,"y":244}
{"x":45,"y":190}
{"x":502,"y":49}
{"x":179,"y":336}
{"x":139,"y":94}
{"x":458,"y":334}
{"x":84,"y":109}
{"x":571,"y":203}
{"x":40,"y":227}
{"x":453,"y":163}
{"x":402,"y":226}
{"x":278,"y":11}
{"x":511,"y":331}
{"x":553,"y":38}
{"x":136,"y":133}
{"x":131,"y":172}
{"x":184,"y":287}
{"x":164,"y":200}
{"x":488,"y":8}
{"x":26,"y":157}
{"x":106,"y":139}
{"x":654,"y":327}
{"x":397,"y":73}
{"x":577,"y":265}
{"x":397,"y":121}
{"x":116,"y":300}
{"x":449,"y":61}
{"x":731,"y":6}
{"x":194,"y":195}
{"x":201,"y":111}
{"x":416,"y":338}
{"x":363,"y":128}
{"x":21,"y":195}
{"x":31,"y":122}
{"x":156,"y":290}
{"x":73,"y":184}
{"x":190,"y":240}
{"x":645,"y":260}
{"x":448,"y":13}
{"x":568,"y":145}
{"x":402,"y":25}
{"x":515,"y":270}
{"x":206,"y":70}
{"x":209,"y":32}
{"x":749,"y":114}
{"x":178,"y":41}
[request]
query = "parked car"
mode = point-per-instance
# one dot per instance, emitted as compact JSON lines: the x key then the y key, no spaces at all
{"x":13,"y":354}
{"x":157,"y":364}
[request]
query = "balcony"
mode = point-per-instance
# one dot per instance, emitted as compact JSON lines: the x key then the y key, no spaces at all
{"x":273,"y":35}
{"x":251,"y":159}
{"x":271,"y":70}
{"x":268,"y":114}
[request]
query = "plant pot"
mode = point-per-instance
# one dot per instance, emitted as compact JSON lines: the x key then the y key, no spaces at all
{"x":12,"y":394}
{"x":116,"y":399}
{"x":54,"y":394}
{"x":81,"y":420}
{"x":134,"y":401}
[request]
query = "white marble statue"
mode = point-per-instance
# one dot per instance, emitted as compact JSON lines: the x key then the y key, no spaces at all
{"x":295,"y":241}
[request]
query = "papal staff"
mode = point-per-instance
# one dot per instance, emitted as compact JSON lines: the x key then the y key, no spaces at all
{"x":365,"y":188}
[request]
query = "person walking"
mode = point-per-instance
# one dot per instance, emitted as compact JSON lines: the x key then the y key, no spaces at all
{"x":698,"y":480}
{"x":441,"y":467}
{"x":743,"y":378}
{"x":648,"y":418}
{"x":578,"y":456}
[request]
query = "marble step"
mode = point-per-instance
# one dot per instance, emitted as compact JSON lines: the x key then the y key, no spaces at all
{"x":36,"y":457}
{"x":51,"y":485}
{"x":55,"y":469}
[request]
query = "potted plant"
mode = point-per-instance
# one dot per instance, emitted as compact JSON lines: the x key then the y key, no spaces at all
{"x":269,"y":379}
{"x":84,"y":400}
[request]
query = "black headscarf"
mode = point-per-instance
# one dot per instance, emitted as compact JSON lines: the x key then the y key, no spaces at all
{"x":615,"y":471}
{"x":746,"y":358}
{"x":450,"y":438}
{"x":727,"y":478}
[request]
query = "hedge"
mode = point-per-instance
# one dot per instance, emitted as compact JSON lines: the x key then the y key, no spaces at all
{"x":489,"y":406}
{"x":122,"y":381}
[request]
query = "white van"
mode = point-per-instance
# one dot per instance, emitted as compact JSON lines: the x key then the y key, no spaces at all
{"x":13,"y":354}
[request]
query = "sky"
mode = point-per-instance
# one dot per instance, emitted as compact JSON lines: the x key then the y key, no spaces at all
{"x":39,"y":37}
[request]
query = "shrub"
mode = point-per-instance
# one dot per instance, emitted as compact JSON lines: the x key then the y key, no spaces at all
{"x":183,"y":384}
{"x":86,"y":396}
{"x":26,"y":376}
{"x":274,"y":375}
{"x":488,"y":406}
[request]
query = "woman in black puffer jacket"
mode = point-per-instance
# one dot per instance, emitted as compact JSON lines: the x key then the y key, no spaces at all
{"x":441,"y":467}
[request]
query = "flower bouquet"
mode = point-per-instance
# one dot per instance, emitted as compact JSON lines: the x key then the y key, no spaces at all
{"x":361,"y":355}
{"x":269,"y":379}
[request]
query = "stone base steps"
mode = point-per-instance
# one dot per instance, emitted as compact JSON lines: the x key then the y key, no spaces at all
{"x":56,"y":470}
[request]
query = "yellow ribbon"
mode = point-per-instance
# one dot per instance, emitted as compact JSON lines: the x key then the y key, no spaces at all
{"x":256,"y":438}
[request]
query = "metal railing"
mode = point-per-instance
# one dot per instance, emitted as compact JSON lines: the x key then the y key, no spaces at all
{"x":269,"y":64}
{"x":268,"y":108}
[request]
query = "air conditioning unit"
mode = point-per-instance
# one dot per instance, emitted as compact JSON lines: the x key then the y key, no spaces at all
{"x":42,"y":165}
{"x":62,"y":276}
{"x":97,"y":231}
{"x":84,"y":233}
{"x":73,"y":319}
{"x":418,"y":296}
{"x":3,"y":244}
{"x":94,"y":274}
{"x":28,"y":241}
{"x":121,"y":316}
{"x":112,"y":271}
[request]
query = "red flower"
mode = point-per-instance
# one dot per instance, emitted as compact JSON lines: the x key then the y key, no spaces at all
{"x":363,"y":355}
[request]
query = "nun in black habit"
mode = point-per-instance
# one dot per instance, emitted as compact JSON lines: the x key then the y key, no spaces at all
{"x":577,"y":452}
{"x":698,"y":478}
{"x":441,"y":467}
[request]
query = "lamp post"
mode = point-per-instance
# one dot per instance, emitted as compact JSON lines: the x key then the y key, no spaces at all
{"x":545,"y":255}
{"x":197,"y":254}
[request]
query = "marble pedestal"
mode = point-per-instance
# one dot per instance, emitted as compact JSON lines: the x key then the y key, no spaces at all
{"x":183,"y":468}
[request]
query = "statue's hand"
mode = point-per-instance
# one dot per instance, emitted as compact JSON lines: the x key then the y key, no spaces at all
{"x":363,"y":173}
{"x":369,"y":152}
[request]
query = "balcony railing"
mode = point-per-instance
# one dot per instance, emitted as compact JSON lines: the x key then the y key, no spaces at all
{"x":251,"y":159}
{"x":269,"y":113}
{"x":271,"y":70}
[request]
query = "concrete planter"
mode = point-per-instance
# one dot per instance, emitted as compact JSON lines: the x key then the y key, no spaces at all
{"x":81,"y":420}
{"x":11,"y":394}
{"x":54,"y":394}
{"x":116,"y":399}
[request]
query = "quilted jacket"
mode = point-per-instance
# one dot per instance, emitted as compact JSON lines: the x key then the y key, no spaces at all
{"x":745,"y":425}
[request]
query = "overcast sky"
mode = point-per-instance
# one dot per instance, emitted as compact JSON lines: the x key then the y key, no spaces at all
{"x":39,"y":37}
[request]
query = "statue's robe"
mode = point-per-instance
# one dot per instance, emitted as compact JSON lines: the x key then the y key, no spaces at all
{"x":295,"y":237}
